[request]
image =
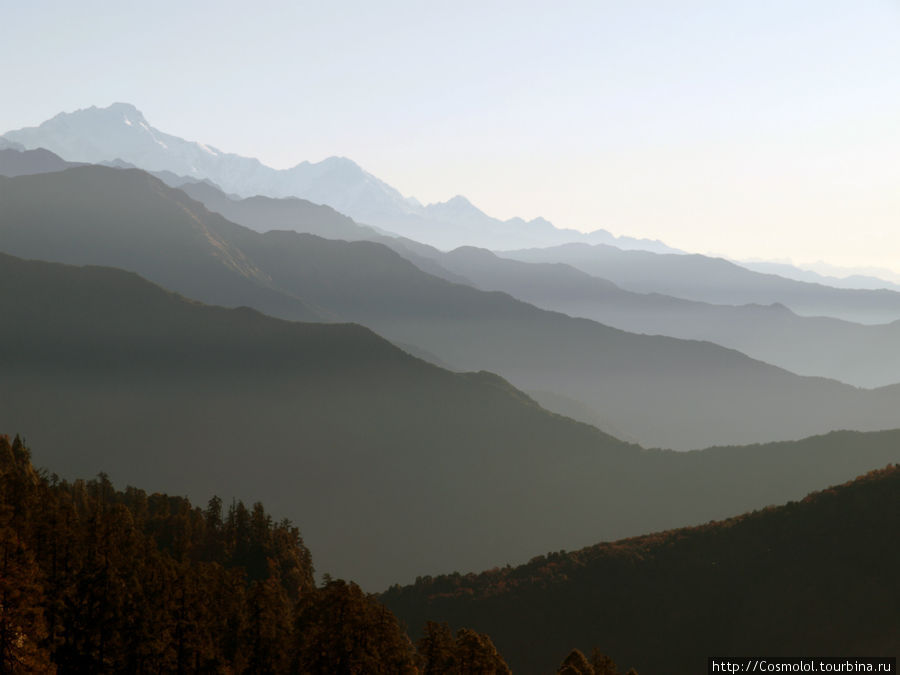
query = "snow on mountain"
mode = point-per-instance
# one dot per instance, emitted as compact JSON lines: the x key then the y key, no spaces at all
{"x":120,"y":132}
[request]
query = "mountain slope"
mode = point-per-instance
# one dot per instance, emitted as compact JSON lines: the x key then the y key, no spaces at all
{"x":814,"y":578}
{"x":120,"y":131}
{"x":397,"y":467}
{"x":659,"y":391}
{"x":6,"y":144}
{"x":845,"y":280}
{"x":817,"y":346}
{"x":28,"y":162}
{"x":138,"y":224}
{"x":265,"y":213}
{"x":99,"y":580}
{"x":714,"y":280}
{"x":862,"y":355}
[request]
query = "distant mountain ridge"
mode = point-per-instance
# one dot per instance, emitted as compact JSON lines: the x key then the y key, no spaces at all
{"x":858,"y":354}
{"x":120,"y":131}
{"x":397,"y":467}
{"x":656,"y":390}
{"x":287,"y":213}
{"x":717,"y":281}
{"x":264,"y":213}
{"x":861,"y":281}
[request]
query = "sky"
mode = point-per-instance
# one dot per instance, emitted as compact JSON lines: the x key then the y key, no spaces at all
{"x":765,"y":129}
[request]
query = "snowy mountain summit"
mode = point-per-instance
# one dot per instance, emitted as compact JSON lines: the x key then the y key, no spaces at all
{"x":121,"y":132}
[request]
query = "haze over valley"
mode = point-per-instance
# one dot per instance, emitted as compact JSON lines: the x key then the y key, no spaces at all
{"x":572,"y":343}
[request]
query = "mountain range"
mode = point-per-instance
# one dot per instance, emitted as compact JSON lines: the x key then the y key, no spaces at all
{"x":396,"y":466}
{"x":852,"y":353}
{"x":97,"y":135}
{"x":121,"y":131}
{"x":658,"y":391}
{"x":861,"y":355}
{"x":847,"y":279}
{"x":427,"y":391}
{"x":138,"y":224}
{"x":716,"y":280}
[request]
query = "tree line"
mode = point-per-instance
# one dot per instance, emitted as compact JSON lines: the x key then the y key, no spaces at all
{"x":98,"y":580}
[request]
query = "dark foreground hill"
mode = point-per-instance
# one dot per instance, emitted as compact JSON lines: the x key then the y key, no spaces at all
{"x":818,"y":577}
{"x":97,"y":580}
{"x":658,"y":391}
{"x":395,"y":466}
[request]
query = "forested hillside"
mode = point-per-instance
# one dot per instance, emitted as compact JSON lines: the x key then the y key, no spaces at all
{"x":817,"y":576}
{"x":96,"y":580}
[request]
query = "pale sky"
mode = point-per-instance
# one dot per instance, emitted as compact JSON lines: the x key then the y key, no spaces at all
{"x":767,"y":129}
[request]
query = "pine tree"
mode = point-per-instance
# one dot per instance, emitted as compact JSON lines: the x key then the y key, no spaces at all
{"x":576,"y":663}
{"x":476,"y":654}
{"x":437,"y":649}
{"x":341,"y":630}
{"x":603,"y":665}
{"x":23,"y":629}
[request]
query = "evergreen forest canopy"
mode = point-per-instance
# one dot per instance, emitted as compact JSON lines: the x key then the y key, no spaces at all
{"x":818,"y":576}
{"x":95,"y":580}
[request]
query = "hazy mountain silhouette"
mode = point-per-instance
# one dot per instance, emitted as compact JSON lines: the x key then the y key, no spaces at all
{"x":15,"y":162}
{"x":660,"y":391}
{"x":394,"y":466}
{"x":461,"y":223}
{"x":126,"y":218}
{"x":169,"y":178}
{"x":861,"y":355}
{"x":265,"y":213}
{"x":793,"y":272}
{"x":298,"y":215}
{"x":6,"y":144}
{"x":715,"y":280}
{"x":815,"y":577}
{"x":120,"y":131}
{"x":645,"y":387}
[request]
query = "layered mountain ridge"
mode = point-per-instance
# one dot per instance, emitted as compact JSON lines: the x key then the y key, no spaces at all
{"x":120,"y":131}
{"x":195,"y":322}
{"x":858,"y":354}
{"x":397,"y":467}
{"x":658,"y":391}
{"x":717,"y":281}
